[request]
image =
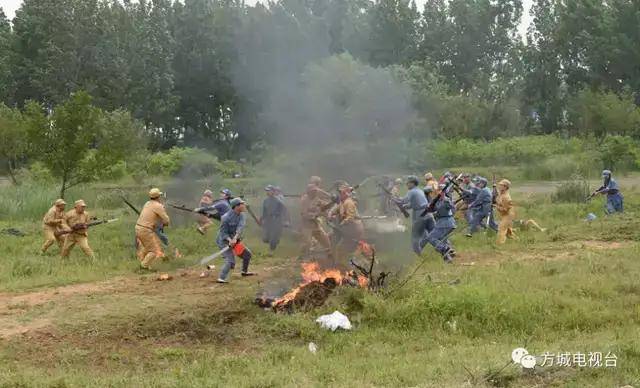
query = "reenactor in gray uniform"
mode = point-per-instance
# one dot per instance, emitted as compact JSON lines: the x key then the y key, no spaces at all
{"x":416,"y":201}
{"x":445,"y":224}
{"x":273,"y":218}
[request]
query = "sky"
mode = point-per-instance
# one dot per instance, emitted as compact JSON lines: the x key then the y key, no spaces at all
{"x":10,"y":6}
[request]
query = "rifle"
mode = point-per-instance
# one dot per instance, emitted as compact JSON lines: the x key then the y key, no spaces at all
{"x":595,"y":193}
{"x":253,"y":215}
{"x":186,"y":209}
{"x":434,"y":201}
{"x":130,"y":205}
{"x":83,"y":226}
{"x":292,"y":195}
{"x":404,"y":211}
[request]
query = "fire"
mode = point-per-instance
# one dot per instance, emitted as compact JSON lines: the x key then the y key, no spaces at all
{"x":311,"y":272}
{"x":367,"y":250}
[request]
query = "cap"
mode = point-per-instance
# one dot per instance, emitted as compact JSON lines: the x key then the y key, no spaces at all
{"x":315,"y":180}
{"x":80,"y":203}
{"x":235,"y":202}
{"x":59,"y":202}
{"x":226,"y":192}
{"x":505,"y":182}
{"x":155,"y":193}
{"x":428,"y":176}
{"x":412,"y":179}
{"x":606,"y":172}
{"x":269,"y":188}
{"x":208,"y":193}
{"x":398,"y":181}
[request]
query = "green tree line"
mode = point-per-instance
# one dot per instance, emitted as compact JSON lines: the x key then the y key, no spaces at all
{"x":201,"y":72}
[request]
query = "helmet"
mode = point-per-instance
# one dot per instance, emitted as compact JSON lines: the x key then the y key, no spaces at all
{"x":269,"y":188}
{"x":606,"y":173}
{"x":226,"y":192}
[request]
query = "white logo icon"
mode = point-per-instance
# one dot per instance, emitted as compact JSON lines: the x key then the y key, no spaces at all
{"x":522,"y":357}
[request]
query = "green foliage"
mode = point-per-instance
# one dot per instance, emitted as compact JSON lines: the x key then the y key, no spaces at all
{"x":78,"y":141}
{"x":13,"y":139}
{"x":604,"y":113}
{"x":190,"y":162}
{"x":502,"y":151}
{"x":575,"y":190}
{"x":620,"y":153}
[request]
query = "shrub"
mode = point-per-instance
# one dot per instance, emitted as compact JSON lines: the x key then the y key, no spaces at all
{"x":619,"y":152}
{"x":574,"y":190}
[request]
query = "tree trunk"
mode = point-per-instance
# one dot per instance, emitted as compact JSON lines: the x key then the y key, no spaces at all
{"x":63,"y":188}
{"x":12,"y":174}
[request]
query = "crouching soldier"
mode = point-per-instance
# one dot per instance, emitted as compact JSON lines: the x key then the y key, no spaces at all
{"x":229,"y":237}
{"x":444,"y":210}
{"x":273,"y":218}
{"x":77,"y":220}
{"x":614,"y":197}
{"x":153,"y":214}
{"x":53,"y":224}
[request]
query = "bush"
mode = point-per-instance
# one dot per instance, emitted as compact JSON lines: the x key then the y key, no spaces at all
{"x":190,"y":162}
{"x":37,"y":172}
{"x":507,"y":151}
{"x":602,"y":113}
{"x":619,"y":152}
{"x":575,"y":190}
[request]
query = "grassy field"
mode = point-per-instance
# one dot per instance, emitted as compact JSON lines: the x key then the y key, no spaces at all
{"x":79,"y":323}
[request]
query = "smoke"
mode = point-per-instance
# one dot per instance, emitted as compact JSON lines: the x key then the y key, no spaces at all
{"x":329,"y":113}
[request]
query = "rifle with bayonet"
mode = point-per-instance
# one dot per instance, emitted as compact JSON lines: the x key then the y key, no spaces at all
{"x":404,"y":211}
{"x":78,"y":227}
{"x":130,"y":205}
{"x":449,"y":182}
{"x":253,"y":215}
{"x":201,"y":212}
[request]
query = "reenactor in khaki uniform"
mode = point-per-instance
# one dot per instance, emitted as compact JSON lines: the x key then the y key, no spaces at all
{"x":351,"y":229}
{"x":430,"y":187}
{"x":204,"y":222}
{"x":310,"y":211}
{"x":504,"y":206}
{"x":52,"y":224}
{"x":77,"y":220}
{"x":153,"y":214}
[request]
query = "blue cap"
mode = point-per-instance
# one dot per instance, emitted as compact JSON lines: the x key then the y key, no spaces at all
{"x":226,"y":192}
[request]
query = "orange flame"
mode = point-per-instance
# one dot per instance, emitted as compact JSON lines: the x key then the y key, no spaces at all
{"x":311,"y":272}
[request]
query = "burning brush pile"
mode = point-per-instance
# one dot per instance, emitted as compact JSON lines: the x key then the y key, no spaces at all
{"x":318,"y":284}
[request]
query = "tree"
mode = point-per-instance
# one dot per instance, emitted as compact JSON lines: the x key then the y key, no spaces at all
{"x":394,"y":32}
{"x":603,"y":113}
{"x":77,"y":140}
{"x":5,"y":43}
{"x":13,"y":139}
{"x":543,"y":96}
